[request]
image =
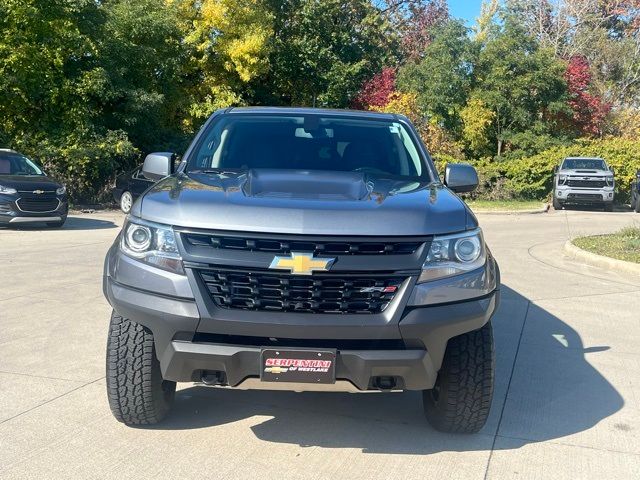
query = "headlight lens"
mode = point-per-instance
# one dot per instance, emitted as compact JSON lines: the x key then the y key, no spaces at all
{"x":7,"y":190}
{"x":454,"y":254}
{"x":151,"y":243}
{"x":610,"y":181}
{"x":562,"y":179}
{"x":62,"y":190}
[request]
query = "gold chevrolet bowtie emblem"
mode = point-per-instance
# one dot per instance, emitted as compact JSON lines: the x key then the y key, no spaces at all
{"x":302,"y":263}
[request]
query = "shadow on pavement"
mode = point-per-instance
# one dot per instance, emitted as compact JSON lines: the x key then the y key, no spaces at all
{"x":72,"y":223}
{"x":554,"y":392}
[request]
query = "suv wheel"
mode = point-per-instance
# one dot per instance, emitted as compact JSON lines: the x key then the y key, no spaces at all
{"x":137,"y":393}
{"x":608,"y":207}
{"x":461,"y":398}
{"x":126,"y":201}
{"x":636,"y":207}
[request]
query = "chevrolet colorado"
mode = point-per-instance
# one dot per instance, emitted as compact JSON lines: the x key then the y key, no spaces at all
{"x":303,"y":249}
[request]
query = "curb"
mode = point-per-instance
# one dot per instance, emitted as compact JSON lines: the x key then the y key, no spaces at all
{"x":601,"y":261}
{"x":536,"y":211}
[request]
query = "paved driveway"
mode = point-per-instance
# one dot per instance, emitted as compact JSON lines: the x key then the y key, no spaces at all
{"x":567,"y":403}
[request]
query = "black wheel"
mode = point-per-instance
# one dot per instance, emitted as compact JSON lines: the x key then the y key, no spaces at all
{"x":126,"y":201}
{"x":137,"y":393}
{"x":636,"y":207}
{"x":608,"y":207}
{"x":57,"y":224}
{"x":461,"y":398}
{"x":557,"y":205}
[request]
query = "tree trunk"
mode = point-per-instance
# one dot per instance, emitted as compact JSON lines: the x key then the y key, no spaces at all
{"x":499,"y":147}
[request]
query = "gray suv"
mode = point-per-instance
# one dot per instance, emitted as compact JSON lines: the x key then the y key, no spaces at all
{"x":303,"y":249}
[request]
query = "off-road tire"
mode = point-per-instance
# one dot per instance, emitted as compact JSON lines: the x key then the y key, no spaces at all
{"x":556,"y":204}
{"x":137,"y":393}
{"x":608,"y":207}
{"x":461,"y":399}
{"x":636,"y":208}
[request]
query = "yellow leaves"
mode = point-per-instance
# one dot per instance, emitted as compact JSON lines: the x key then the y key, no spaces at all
{"x":232,"y":35}
{"x":476,"y":118}
{"x":402,"y":103}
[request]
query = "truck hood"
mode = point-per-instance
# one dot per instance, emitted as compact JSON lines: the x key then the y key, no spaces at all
{"x":305,"y":202}
{"x":583,"y":172}
{"x":29,"y":182}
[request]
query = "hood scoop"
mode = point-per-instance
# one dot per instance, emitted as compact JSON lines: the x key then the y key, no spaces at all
{"x":307,"y":184}
{"x":586,"y":171}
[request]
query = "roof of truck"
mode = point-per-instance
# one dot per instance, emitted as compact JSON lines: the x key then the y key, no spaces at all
{"x":313,"y":111}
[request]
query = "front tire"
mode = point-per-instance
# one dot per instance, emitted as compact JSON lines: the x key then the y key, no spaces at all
{"x":137,"y":393}
{"x":556,"y":204}
{"x":608,"y":207}
{"x":461,"y":398}
{"x":636,"y":207}
{"x":126,"y":201}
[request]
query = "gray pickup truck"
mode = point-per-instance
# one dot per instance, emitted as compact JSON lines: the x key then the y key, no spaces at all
{"x":304,"y":250}
{"x":583,"y":181}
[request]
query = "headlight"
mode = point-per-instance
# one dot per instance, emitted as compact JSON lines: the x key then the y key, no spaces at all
{"x":453,"y":255}
{"x":61,"y":191}
{"x":151,"y":243}
{"x":7,"y":190}
{"x":610,"y":181}
{"x":562,"y":179}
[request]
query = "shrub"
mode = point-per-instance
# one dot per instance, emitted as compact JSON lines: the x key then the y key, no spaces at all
{"x":86,"y":164}
{"x":531,"y":178}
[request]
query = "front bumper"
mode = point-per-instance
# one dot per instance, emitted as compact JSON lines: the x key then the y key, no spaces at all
{"x":10,"y":212}
{"x":191,"y":339}
{"x":584,"y":195}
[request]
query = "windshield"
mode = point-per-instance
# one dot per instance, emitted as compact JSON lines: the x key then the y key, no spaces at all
{"x":584,"y":164}
{"x":313,"y":142}
{"x":16,"y":164}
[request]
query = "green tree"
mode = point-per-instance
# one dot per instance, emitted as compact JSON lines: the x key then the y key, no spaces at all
{"x":322,"y":51}
{"x":519,"y":82}
{"x":47,"y":53}
{"x":443,"y":77}
{"x":138,"y":83}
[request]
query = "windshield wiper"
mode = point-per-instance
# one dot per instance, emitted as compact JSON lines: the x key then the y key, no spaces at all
{"x":216,"y":170}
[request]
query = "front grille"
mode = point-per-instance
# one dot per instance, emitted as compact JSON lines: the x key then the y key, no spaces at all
{"x":38,"y":204}
{"x":586,"y":183}
{"x":331,"y":294}
{"x":585,"y":196}
{"x":286,"y":245}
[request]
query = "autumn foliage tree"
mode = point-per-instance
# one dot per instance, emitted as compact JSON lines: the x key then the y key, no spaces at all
{"x":588,"y":111}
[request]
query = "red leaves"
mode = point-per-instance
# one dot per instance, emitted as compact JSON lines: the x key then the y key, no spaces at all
{"x":589,"y":111}
{"x":377,"y":91}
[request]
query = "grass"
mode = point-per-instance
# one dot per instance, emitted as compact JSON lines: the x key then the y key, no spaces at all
{"x":505,"y":205}
{"x":622,"y":245}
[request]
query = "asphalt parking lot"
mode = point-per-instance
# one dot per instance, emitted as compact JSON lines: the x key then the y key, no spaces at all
{"x":567,"y":401}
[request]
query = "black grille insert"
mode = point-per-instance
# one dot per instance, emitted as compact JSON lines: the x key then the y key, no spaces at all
{"x":38,"y":204}
{"x":586,"y":183}
{"x":300,"y":244}
{"x":332,"y":294}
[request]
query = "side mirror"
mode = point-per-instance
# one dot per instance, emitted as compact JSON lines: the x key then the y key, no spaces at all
{"x":158,"y":165}
{"x":461,"y":177}
{"x":555,"y":169}
{"x":612,"y":170}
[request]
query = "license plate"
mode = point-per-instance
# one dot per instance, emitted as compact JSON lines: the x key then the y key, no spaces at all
{"x":298,"y":366}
